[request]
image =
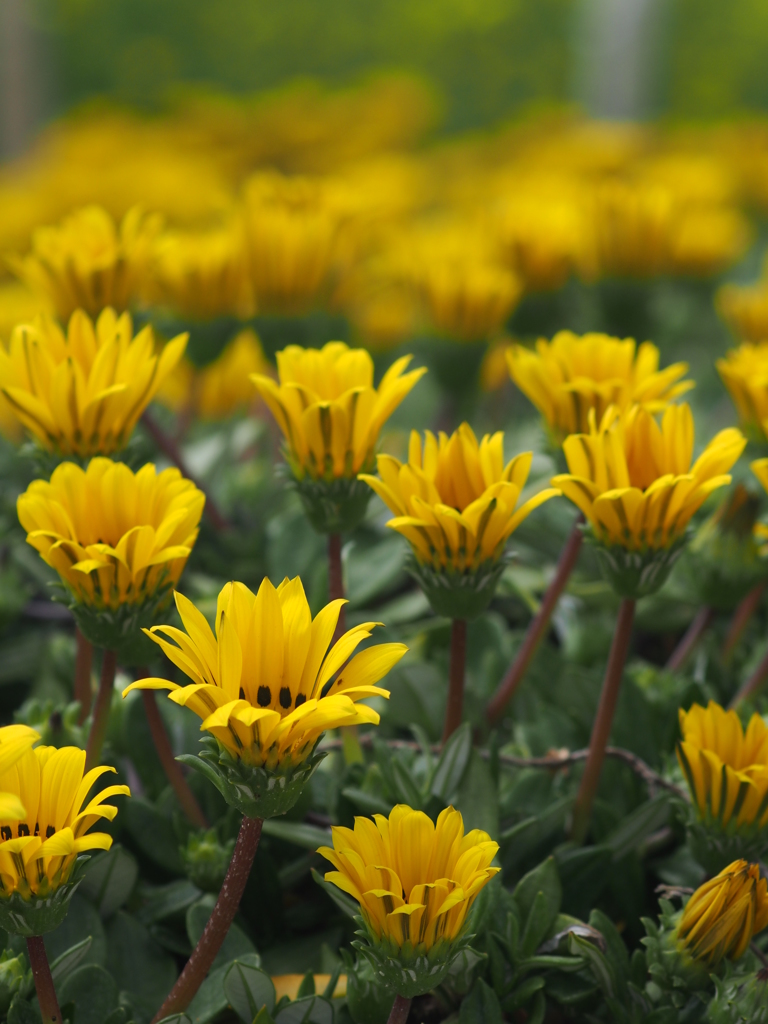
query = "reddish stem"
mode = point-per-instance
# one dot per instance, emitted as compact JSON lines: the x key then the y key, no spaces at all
{"x":400,"y":1010}
{"x":101,"y":709}
{"x":83,"y":665}
{"x":41,"y":972}
{"x":693,"y":634}
{"x":601,"y":729}
{"x":455,"y":705}
{"x":741,"y":618}
{"x":171,"y":766}
{"x":336,"y":581}
{"x":537,"y":627}
{"x":210,"y":942}
{"x":753,"y":684}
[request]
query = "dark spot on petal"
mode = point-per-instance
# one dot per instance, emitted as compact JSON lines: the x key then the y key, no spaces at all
{"x":285,"y":697}
{"x":242,"y":693}
{"x":50,"y":831}
{"x":23,"y":829}
{"x":37,"y":828}
{"x":264,"y":697}
{"x":300,"y":698}
{"x":6,"y":833}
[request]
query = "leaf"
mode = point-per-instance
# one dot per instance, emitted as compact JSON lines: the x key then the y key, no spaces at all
{"x":452,"y":764}
{"x":22,"y":1012}
{"x":310,"y":837}
{"x":481,"y":1006}
{"x":210,"y":999}
{"x":522,"y":839}
{"x":313,"y":1010}
{"x":153,"y":833}
{"x":539,"y":922}
{"x":81,"y":922}
{"x":344,"y":902}
{"x":67,"y":962}
{"x":162,"y":901}
{"x":176,"y":1018}
{"x":248,"y":989}
{"x":93,"y":991}
{"x":637,"y":826}
{"x":140,"y":966}
{"x":525,"y":991}
{"x":583,"y":872}
{"x":406,"y":790}
{"x":367,"y":802}
{"x":109,"y":880}
{"x":598,"y":964}
{"x":538,"y":896}
{"x":236,"y":944}
{"x":615,"y":948}
{"x":477,"y":798}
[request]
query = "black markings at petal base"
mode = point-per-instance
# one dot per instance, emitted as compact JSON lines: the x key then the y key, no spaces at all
{"x":264,"y":697}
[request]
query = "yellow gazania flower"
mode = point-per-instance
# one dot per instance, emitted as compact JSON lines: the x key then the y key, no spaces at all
{"x":38,"y":852}
{"x":15,"y":741}
{"x":114,"y":537}
{"x":224,"y":386}
{"x":415,"y":881}
{"x":633,"y":479}
{"x":760,"y":468}
{"x":468,"y":298}
{"x":267,"y":685}
{"x":455,"y":501}
{"x":726,"y":768}
{"x":572,"y":374}
{"x":89,"y":263}
{"x":724,"y":914}
{"x":744,"y":371}
{"x":328,"y":409}
{"x":82,"y":393}
{"x":745,"y":310}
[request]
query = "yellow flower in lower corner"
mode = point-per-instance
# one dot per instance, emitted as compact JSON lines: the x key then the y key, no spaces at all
{"x":38,"y":852}
{"x":115,"y":537}
{"x":724,"y":914}
{"x":415,"y":881}
{"x":268,"y":683}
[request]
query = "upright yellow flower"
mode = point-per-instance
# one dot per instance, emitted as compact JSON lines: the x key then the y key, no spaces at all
{"x":415,"y":882}
{"x":89,"y":263}
{"x":224,"y":386}
{"x":82,"y":393}
{"x":38,"y":854}
{"x":744,"y":371}
{"x":266,"y":685}
{"x":723,"y":915}
{"x":571,"y":375}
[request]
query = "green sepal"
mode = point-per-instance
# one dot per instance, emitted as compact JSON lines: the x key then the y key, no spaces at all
{"x":739,"y":999}
{"x":337,"y":505}
{"x":255,"y":792}
{"x":676,"y":979}
{"x":635,"y":573}
{"x":715,"y":848}
{"x":206,"y":859}
{"x":456,"y":593}
{"x":120,"y":629}
{"x":724,"y":569}
{"x":36,"y":915}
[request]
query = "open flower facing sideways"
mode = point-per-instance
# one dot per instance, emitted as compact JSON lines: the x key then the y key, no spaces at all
{"x":415,"y":882}
{"x":87,"y":262}
{"x":456,"y":502}
{"x":38,"y":853}
{"x":571,"y":375}
{"x":635,"y":483}
{"x":744,"y":371}
{"x":268,"y":683}
{"x":82,"y":393}
{"x":119,"y":540}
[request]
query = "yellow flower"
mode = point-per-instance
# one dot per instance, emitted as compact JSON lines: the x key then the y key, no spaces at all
{"x":177,"y":390}
{"x":88,"y":263}
{"x":83,"y":393}
{"x":726,"y":768}
{"x":224,"y":386}
{"x":415,"y":881}
{"x":572,"y":374}
{"x":455,"y":501}
{"x":266,"y":685}
{"x":539,"y":237}
{"x":38,"y":852}
{"x":15,"y":741}
{"x":467,"y":298}
{"x":633,"y":479}
{"x":724,"y":914}
{"x":114,"y":537}
{"x":760,"y":468}
{"x":328,"y":409}
{"x":744,"y":371}
{"x":745,"y":310}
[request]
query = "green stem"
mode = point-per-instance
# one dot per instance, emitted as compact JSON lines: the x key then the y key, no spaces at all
{"x":100,"y":720}
{"x":400,"y":1010}
{"x":83,"y":665}
{"x":454,"y":707}
{"x":601,"y":729}
{"x":41,"y":972}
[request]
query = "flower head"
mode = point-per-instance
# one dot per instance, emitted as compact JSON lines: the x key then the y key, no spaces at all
{"x":87,"y":262}
{"x":328,"y":409}
{"x":224,"y":386}
{"x":15,"y":741}
{"x":744,"y":371}
{"x":82,"y":393}
{"x":415,"y":880}
{"x":116,"y":538}
{"x":266,"y":685}
{"x":724,"y":914}
{"x":571,"y":375}
{"x":745,"y":310}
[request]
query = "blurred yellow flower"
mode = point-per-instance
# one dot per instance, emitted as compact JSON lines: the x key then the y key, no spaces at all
{"x":177,"y":390}
{"x":82,"y":393}
{"x":415,"y":880}
{"x":328,"y":409}
{"x":721,"y":918}
{"x":540,"y":238}
{"x":633,"y":479}
{"x":571,"y":375}
{"x":726,"y":768}
{"x":89,"y":263}
{"x":455,"y":501}
{"x":224,"y":386}
{"x":744,"y":371}
{"x":267,"y":685}
{"x":114,"y":537}
{"x":745,"y":310}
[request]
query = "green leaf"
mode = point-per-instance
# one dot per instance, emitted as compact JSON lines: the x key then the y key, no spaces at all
{"x":477,"y":797}
{"x":540,"y":919}
{"x":307,"y":986}
{"x":481,"y":1006}
{"x":310,"y":837}
{"x":313,"y":1010}
{"x":140,"y":966}
{"x":637,"y":826}
{"x":81,"y":922}
{"x":153,"y":833}
{"x":598,"y":964}
{"x":406,"y":790}
{"x":176,"y":1018}
{"x":93,"y":991}
{"x":210,"y":999}
{"x":67,"y":962}
{"x":263,"y":1017}
{"x":523,"y":992}
{"x":248,"y":989}
{"x":343,"y":901}
{"x":162,"y":901}
{"x":452,"y":764}
{"x":538,"y":896}
{"x":22,"y":1012}
{"x":368,"y":803}
{"x":236,"y":944}
{"x":109,"y":880}
{"x":615,"y":948}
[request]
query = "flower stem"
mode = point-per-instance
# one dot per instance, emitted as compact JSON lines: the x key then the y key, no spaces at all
{"x":750,"y":687}
{"x":171,"y":766}
{"x":336,"y":580}
{"x":693,"y":634}
{"x":83,"y":663}
{"x":741,"y":618}
{"x":41,"y":972}
{"x":101,"y":710}
{"x":400,"y":1010}
{"x":453,"y":710}
{"x":601,"y":728}
{"x":209,"y":943}
{"x":537,"y":627}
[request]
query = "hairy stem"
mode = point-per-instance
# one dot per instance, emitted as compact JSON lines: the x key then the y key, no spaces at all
{"x":454,"y":707}
{"x":101,"y":709}
{"x":215,"y":931}
{"x":400,"y":1010}
{"x":701,"y":623}
{"x":171,"y":766}
{"x":601,"y":728}
{"x":41,"y":972}
{"x":83,"y":664}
